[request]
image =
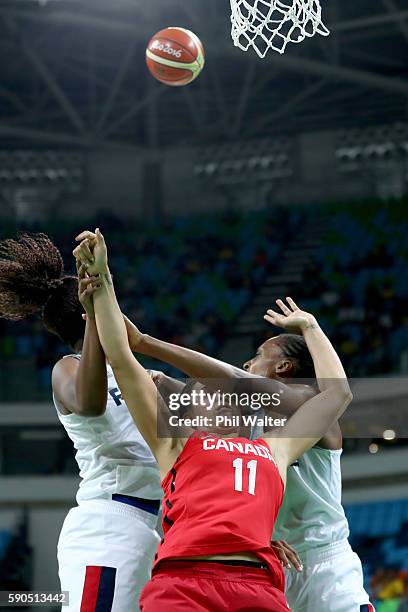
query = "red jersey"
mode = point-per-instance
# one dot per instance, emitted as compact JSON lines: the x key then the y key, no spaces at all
{"x":222,"y":496}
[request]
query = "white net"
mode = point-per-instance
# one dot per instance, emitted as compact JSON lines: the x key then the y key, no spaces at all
{"x":272,"y":24}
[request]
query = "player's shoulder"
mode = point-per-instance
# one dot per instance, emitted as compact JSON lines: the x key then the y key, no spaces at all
{"x":63,"y":368}
{"x":67,"y":362}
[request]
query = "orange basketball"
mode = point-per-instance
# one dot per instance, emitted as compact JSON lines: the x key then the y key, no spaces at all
{"x":175,"y":56}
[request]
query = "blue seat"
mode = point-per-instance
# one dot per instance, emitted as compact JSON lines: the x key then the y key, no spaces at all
{"x":5,"y":539}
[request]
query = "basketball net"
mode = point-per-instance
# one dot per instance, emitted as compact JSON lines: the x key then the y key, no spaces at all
{"x":272,"y":24}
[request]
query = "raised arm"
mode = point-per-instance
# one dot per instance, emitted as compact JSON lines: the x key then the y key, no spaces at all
{"x":192,"y":363}
{"x":137,"y":388}
{"x":81,"y":386}
{"x":197,"y":365}
{"x":313,"y":419}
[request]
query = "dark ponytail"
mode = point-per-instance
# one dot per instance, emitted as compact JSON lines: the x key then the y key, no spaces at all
{"x":32,"y":281}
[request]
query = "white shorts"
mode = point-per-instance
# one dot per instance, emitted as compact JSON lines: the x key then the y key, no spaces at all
{"x":331,"y":581}
{"x":105,"y":554}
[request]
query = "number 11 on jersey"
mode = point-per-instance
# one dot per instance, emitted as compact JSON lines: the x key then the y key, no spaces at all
{"x":251,"y":465}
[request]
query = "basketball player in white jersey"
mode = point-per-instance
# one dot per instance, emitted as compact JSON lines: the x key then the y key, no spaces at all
{"x":312,"y":519}
{"x":108,"y":541}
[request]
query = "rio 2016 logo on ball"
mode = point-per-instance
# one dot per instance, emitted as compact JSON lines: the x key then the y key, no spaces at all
{"x":175,"y":56}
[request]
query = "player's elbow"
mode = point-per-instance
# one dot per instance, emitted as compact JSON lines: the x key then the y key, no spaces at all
{"x":342,"y":393}
{"x":91,"y":408}
{"x":348,"y":397}
{"x":339,"y":392}
{"x":346,"y":393}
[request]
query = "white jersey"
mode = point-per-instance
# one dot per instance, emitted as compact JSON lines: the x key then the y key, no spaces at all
{"x":311,"y":515}
{"x":112,"y":455}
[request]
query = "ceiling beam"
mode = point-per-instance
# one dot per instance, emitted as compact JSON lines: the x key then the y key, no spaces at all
{"x":119,"y":78}
{"x":378,"y":59}
{"x":135,"y":109}
{"x":334,"y":47}
{"x":65,"y":138}
{"x":283,"y":110}
{"x":367,"y":22}
{"x":63,"y":17}
{"x":48,"y":78}
{"x":13,"y":99}
{"x":400,"y":23}
{"x":338,"y":73}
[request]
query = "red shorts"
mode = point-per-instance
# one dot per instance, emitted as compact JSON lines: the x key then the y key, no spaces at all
{"x":177,"y":586}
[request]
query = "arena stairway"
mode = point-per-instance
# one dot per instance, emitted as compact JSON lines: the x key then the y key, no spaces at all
{"x":281,"y":282}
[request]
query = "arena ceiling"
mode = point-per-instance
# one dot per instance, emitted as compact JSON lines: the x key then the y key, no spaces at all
{"x":72,"y":73}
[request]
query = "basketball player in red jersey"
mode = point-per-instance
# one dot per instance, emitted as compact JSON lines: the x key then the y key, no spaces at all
{"x":218,"y":511}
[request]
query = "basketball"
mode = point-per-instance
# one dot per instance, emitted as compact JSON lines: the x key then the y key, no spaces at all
{"x":175,"y":56}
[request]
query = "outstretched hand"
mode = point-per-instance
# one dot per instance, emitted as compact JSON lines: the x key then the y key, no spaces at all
{"x":92,"y":252}
{"x":293,"y":319}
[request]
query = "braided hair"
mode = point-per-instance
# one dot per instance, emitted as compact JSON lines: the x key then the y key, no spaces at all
{"x":32,"y":281}
{"x":295,"y":348}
